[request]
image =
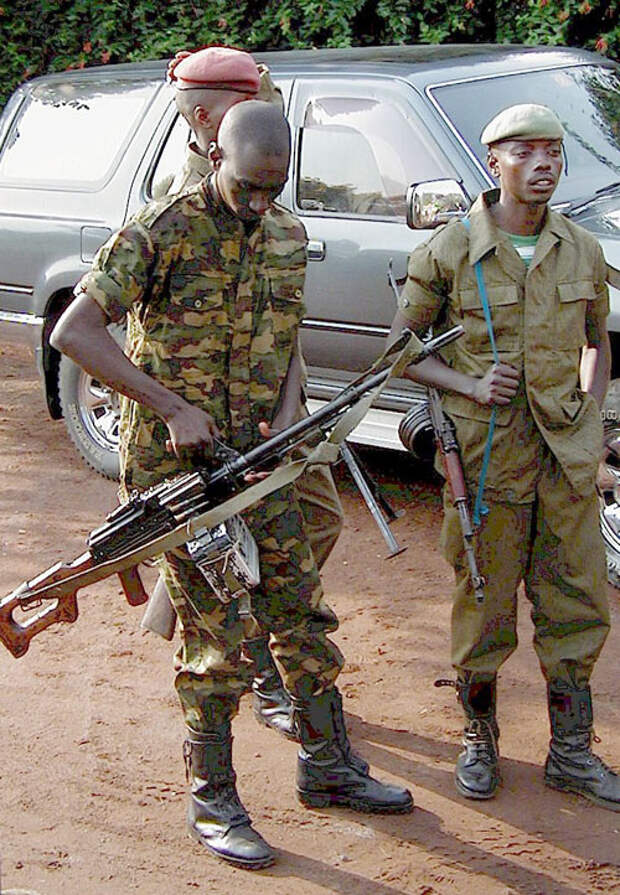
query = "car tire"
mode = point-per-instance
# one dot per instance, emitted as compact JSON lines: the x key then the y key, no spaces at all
{"x":91,"y":413}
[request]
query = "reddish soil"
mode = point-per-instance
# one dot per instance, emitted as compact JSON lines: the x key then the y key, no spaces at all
{"x":92,"y":791}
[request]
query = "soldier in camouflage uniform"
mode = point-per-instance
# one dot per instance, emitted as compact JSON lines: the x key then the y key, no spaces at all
{"x":211,"y":285}
{"x":208,"y":83}
{"x":545,"y":281}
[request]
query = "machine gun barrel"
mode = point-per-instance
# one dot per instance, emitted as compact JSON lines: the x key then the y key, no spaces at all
{"x":281,"y":443}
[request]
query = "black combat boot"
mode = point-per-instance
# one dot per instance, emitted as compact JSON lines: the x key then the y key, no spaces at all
{"x":477,"y":773}
{"x":571,"y":765}
{"x":215,"y":817}
{"x":328,"y":773}
{"x":271,"y":703}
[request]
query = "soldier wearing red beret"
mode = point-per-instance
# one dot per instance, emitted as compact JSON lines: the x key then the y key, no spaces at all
{"x":207,"y":84}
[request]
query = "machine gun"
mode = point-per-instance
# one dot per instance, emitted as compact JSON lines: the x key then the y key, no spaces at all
{"x":185,"y":508}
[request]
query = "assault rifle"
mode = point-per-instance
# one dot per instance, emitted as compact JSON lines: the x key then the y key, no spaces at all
{"x":432,"y":415}
{"x":446,"y":442}
{"x":176,"y":510}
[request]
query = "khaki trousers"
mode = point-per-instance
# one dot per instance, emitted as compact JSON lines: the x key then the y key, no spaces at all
{"x":554,"y":546}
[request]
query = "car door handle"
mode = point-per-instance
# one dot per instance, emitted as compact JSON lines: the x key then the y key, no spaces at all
{"x":316,"y":250}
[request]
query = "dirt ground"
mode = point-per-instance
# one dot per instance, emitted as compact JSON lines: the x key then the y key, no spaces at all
{"x":92,"y":791}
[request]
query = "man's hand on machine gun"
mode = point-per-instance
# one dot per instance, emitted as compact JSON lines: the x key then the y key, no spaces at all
{"x":192,"y":433}
{"x":267,"y":430}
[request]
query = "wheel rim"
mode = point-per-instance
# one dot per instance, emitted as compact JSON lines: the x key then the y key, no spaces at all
{"x":609,"y":482}
{"x":98,"y":407}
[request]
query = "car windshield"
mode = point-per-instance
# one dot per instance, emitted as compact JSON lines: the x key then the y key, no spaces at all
{"x":586,"y":98}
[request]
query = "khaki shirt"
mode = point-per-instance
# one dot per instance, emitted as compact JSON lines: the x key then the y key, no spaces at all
{"x":212,"y":313}
{"x":195,"y":168}
{"x":540,"y":316}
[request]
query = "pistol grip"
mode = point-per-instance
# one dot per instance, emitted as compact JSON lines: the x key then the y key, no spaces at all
{"x":134,"y":591}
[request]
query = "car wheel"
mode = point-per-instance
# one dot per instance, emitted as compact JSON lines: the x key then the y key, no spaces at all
{"x":91,"y":412}
{"x":609,"y":482}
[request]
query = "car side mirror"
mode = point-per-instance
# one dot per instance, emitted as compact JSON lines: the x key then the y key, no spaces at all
{"x":435,"y":202}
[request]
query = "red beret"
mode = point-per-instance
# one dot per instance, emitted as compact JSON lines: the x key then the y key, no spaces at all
{"x":215,"y":67}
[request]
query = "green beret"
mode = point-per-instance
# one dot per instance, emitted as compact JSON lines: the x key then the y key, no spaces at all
{"x":526,"y":121}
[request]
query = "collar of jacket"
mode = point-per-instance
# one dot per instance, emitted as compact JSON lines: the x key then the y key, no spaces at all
{"x":486,"y":237}
{"x":197,"y":161}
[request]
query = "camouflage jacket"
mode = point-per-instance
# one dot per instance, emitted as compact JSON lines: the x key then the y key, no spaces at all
{"x":212,"y":313}
{"x":540,"y":318}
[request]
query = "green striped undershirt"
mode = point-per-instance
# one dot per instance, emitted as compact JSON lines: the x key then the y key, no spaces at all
{"x":524,"y":245}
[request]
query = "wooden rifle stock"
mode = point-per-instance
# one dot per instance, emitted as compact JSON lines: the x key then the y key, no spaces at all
{"x":448,"y":447}
{"x":57,"y":604}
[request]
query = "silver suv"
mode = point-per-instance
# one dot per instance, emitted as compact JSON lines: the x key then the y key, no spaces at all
{"x":385,"y":148}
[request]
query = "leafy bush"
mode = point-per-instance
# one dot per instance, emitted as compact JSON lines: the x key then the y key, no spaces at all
{"x":52,"y":35}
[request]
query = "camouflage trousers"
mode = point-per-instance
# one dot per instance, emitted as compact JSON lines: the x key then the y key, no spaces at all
{"x":323,"y":516}
{"x":211,"y":675}
{"x":554,"y":547}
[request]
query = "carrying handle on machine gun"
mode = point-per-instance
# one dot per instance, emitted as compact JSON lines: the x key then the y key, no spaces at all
{"x":447,"y":444}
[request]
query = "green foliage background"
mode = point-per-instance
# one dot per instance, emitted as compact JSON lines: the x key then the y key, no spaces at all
{"x":50,"y":35}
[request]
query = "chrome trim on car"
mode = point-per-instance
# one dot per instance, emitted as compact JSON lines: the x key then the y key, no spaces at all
{"x":338,"y":326}
{"x":22,"y":290}
{"x":379,"y":428}
{"x":24,"y":319}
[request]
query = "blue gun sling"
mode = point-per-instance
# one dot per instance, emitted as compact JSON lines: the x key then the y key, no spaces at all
{"x":480,"y":508}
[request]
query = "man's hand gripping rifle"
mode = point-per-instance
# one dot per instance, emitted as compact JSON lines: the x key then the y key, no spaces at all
{"x":180,"y":509}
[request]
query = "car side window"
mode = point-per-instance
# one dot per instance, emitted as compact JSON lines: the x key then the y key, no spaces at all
{"x":171,"y":158}
{"x":72,"y":134}
{"x":357,"y":156}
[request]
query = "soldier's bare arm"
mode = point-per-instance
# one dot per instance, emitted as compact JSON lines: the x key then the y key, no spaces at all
{"x":613,"y":276}
{"x":498,"y":385}
{"x":81,"y":334}
{"x":596,"y":359}
{"x":290,"y":394}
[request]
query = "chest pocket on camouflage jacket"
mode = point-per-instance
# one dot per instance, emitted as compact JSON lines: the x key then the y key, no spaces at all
{"x":196,"y":299}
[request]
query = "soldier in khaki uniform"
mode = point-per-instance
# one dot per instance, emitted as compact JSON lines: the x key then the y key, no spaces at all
{"x":212,"y":354}
{"x":545,"y":282}
{"x":207,"y":83}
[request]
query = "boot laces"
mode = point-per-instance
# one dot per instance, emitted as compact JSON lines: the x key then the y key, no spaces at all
{"x":341,"y":734}
{"x":479,"y":740}
{"x":592,"y":759}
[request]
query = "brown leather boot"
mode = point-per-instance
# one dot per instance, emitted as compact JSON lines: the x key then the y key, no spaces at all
{"x":215,"y":816}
